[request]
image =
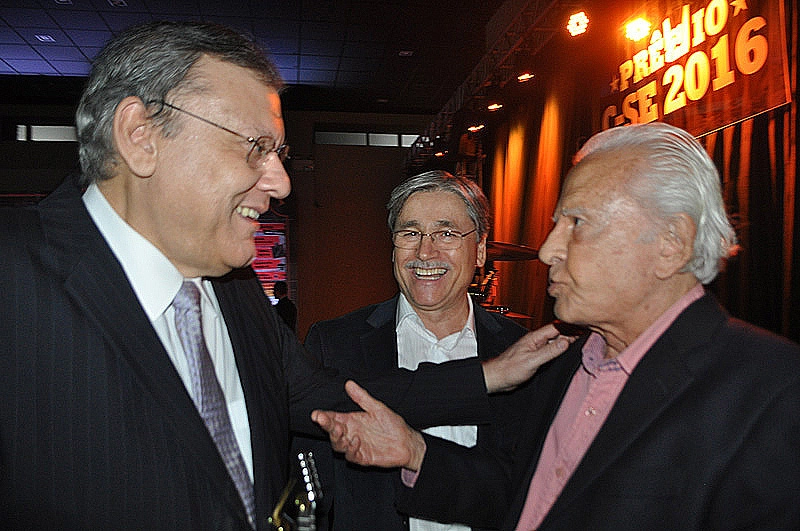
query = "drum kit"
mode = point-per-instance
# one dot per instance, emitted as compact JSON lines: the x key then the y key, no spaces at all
{"x":481,"y":288}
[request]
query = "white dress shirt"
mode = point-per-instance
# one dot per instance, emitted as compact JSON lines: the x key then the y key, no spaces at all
{"x":416,"y":344}
{"x":155,"y":281}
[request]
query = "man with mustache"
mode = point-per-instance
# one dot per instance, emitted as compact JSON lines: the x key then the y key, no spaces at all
{"x":439,"y":224}
{"x":670,"y":414}
{"x":145,"y":380}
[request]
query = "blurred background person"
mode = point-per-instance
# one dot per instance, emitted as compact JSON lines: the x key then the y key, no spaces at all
{"x":284,"y":306}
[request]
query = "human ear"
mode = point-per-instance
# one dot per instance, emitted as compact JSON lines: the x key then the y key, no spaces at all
{"x":134,"y":137}
{"x":480,"y":258}
{"x":676,"y":245}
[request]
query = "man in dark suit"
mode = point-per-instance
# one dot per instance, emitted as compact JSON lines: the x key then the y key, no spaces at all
{"x":285,"y":308}
{"x":439,"y":225}
{"x":670,"y":414}
{"x":145,"y":381}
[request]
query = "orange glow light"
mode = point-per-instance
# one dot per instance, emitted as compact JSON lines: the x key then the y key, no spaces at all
{"x":526,"y":76}
{"x":494,"y":106}
{"x":637,"y":30}
{"x":578,"y":23}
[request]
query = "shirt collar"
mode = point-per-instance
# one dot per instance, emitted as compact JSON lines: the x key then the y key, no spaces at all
{"x":627,"y":360}
{"x":406,"y":315}
{"x":152,"y":276}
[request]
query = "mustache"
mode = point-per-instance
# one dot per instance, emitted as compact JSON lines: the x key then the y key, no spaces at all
{"x":426,"y":264}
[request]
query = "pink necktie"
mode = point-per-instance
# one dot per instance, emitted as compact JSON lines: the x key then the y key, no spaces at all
{"x":208,"y":397}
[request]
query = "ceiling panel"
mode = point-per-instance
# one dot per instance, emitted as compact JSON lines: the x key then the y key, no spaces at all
{"x":356,"y":55}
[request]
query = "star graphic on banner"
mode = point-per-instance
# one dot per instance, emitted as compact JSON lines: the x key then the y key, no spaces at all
{"x":738,"y":5}
{"x":614,"y":85}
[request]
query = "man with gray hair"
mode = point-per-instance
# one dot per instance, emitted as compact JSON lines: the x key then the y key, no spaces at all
{"x":145,"y":380}
{"x":669,"y":414}
{"x":439,"y":225}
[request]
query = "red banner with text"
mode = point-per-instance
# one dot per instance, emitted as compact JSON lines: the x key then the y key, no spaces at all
{"x":701,"y":66}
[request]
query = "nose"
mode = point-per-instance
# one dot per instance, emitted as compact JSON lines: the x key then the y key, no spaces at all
{"x":273,"y":178}
{"x":426,"y":247}
{"x":554,"y":248}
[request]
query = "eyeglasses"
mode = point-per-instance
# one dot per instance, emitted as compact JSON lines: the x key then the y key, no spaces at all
{"x":444,"y":240}
{"x":261,"y":146}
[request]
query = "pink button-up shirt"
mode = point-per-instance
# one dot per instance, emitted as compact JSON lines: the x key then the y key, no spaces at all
{"x":591,"y":395}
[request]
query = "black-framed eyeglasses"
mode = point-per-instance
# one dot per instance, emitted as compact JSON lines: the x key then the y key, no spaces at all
{"x":444,"y":240}
{"x":260,"y":147}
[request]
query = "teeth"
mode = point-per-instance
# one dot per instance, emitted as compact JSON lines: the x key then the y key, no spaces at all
{"x":429,"y":272}
{"x":247,"y":212}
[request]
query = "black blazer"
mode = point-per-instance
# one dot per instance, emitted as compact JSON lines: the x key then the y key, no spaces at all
{"x":96,"y":428}
{"x":705,"y":435}
{"x":363,"y":344}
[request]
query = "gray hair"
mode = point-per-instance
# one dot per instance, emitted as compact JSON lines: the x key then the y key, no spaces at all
{"x":442,"y":181}
{"x":673,"y":174}
{"x":148,"y":61}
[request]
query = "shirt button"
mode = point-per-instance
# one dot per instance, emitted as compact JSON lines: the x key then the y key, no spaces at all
{"x":590,"y":412}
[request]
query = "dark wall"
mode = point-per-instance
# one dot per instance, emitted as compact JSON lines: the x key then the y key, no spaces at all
{"x":340,"y":247}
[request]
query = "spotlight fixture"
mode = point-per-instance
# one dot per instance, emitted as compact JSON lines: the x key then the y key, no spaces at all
{"x":578,"y":23}
{"x":475,"y":128}
{"x":494,"y":106}
{"x":637,"y":30}
{"x":524,"y":77}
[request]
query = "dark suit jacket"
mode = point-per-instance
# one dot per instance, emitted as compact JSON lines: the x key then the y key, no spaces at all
{"x":96,"y":428}
{"x":705,"y":435}
{"x":363,"y":344}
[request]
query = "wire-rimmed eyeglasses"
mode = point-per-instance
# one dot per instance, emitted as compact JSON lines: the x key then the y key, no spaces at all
{"x":444,"y":240}
{"x":260,"y":147}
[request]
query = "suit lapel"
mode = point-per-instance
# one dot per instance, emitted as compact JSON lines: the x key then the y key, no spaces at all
{"x":379,"y":344}
{"x":95,"y":281}
{"x":488,"y":334}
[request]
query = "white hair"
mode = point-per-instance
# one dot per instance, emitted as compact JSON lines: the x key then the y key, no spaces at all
{"x":673,"y":175}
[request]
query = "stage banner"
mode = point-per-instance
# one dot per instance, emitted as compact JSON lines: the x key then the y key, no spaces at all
{"x":701,"y":66}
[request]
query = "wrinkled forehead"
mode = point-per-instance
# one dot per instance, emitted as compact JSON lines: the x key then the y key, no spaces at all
{"x":439,"y":207}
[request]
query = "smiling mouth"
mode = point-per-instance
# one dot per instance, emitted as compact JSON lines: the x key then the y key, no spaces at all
{"x":429,"y":274}
{"x":248,"y":212}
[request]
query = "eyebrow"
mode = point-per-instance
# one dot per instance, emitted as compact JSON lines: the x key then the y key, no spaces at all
{"x":416,"y":223}
{"x":566,"y":212}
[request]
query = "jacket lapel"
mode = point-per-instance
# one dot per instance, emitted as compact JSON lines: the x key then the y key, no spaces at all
{"x":487,"y":334}
{"x":381,"y":336}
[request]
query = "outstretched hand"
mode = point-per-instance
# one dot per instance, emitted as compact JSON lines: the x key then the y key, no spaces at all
{"x":520,"y":361}
{"x":376,"y":436}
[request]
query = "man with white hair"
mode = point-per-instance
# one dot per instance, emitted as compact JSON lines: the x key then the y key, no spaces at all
{"x":669,"y":414}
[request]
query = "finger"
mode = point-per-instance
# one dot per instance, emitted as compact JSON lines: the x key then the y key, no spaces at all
{"x":322,"y":418}
{"x":553,"y":349}
{"x":360,"y":396}
{"x":541,"y":336}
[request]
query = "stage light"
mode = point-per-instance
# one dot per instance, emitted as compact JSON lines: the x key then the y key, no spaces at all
{"x":637,"y":30}
{"x":494,"y":106}
{"x":525,"y":76}
{"x":578,"y":23}
{"x":475,"y":128}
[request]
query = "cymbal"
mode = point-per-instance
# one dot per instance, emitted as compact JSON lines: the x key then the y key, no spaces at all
{"x":498,"y":251}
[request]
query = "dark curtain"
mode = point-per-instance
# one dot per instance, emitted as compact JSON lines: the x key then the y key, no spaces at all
{"x":530,"y":150}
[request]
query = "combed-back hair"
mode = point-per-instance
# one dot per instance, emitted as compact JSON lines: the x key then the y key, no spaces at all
{"x":671,"y":173}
